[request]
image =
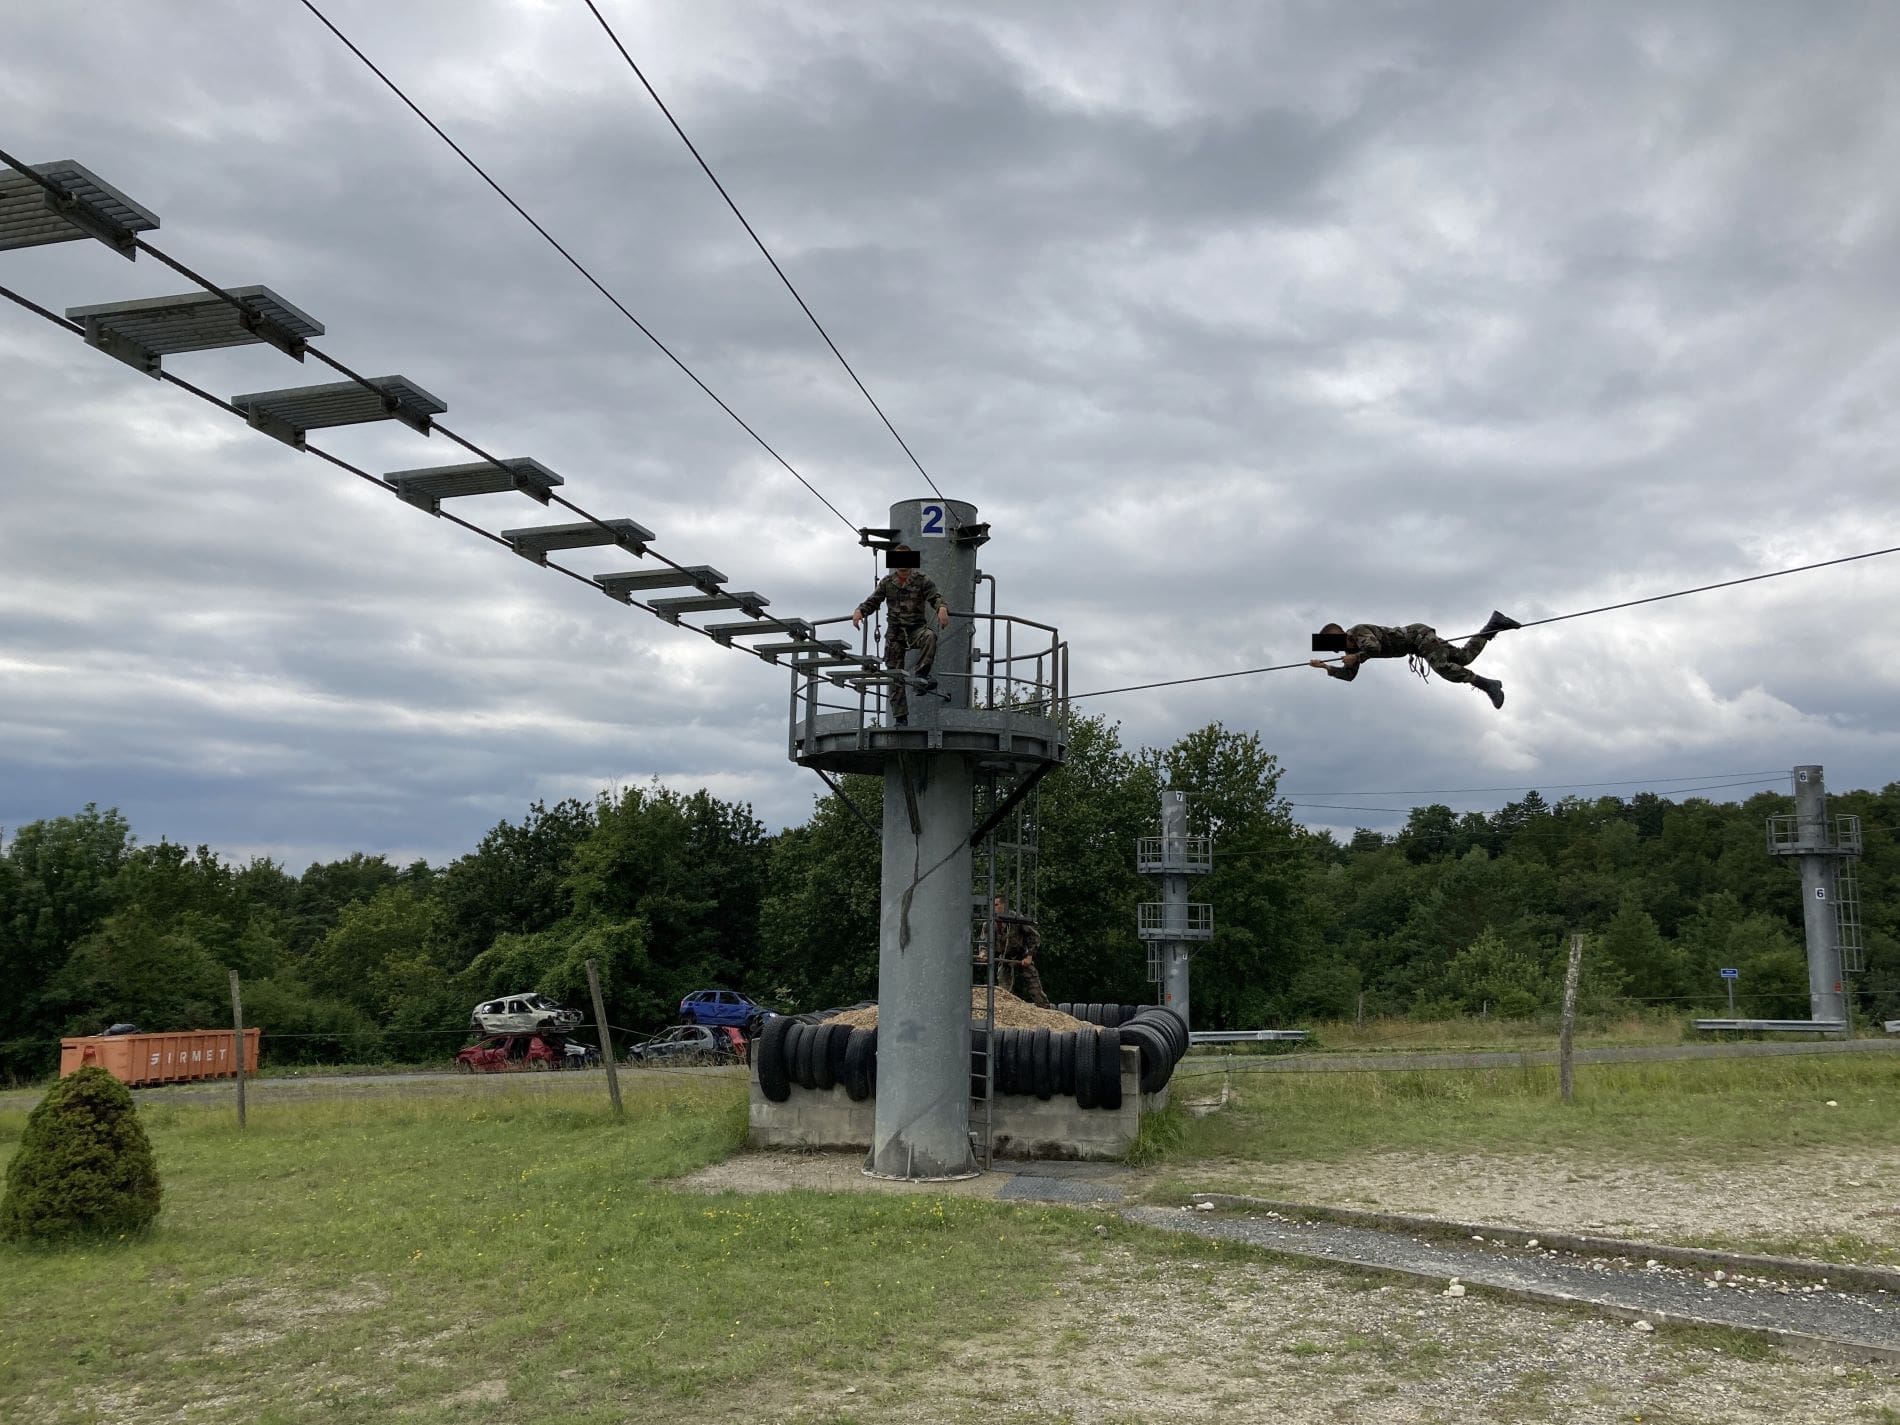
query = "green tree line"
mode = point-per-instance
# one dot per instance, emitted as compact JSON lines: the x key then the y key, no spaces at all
{"x":360,"y":960}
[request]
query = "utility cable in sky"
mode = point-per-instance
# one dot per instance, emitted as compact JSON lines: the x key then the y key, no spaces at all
{"x":1528,"y":623}
{"x":575,"y":263}
{"x":759,"y":243}
{"x":1544,"y":786}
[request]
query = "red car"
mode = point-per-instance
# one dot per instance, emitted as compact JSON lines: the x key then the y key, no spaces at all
{"x":499,"y":1052}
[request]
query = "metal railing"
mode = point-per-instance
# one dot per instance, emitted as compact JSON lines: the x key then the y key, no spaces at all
{"x":1016,"y":665}
{"x":1791,"y":834}
{"x":1189,"y":855}
{"x":1152,"y":922}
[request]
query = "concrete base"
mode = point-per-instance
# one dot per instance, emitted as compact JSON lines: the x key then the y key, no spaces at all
{"x":1024,"y":1125}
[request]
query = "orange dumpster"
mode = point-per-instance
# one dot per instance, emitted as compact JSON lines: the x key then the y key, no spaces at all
{"x":159,"y":1058}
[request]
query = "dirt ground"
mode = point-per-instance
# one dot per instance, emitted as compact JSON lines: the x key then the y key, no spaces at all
{"x":1849,"y":1193}
{"x":1137,"y":1340}
{"x":1147,"y":1338}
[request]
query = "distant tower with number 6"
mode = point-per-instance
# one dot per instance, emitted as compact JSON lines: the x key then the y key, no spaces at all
{"x":1826,"y":848}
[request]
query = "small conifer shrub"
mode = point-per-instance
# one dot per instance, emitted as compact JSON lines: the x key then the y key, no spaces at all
{"x":84,"y":1166}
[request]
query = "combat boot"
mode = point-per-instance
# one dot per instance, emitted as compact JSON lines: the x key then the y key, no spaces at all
{"x":1498,"y":624}
{"x":1491,"y":688}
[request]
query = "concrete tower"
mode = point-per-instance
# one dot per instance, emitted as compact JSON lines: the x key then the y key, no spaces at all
{"x":1825,"y":848}
{"x":922,"y":1115}
{"x":1173,"y":925}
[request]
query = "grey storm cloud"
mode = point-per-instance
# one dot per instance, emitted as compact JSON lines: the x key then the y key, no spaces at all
{"x":1231,"y":318}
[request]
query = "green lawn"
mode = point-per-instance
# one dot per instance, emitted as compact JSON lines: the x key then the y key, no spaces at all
{"x":1641,"y":1112}
{"x":450,"y":1259}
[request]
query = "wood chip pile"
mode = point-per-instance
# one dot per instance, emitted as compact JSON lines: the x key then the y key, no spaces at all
{"x":1011,"y":1013}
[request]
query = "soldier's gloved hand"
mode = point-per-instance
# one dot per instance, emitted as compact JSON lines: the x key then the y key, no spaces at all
{"x":857,"y":618}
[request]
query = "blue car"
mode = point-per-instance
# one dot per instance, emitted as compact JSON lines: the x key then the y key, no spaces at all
{"x":722,"y":1007}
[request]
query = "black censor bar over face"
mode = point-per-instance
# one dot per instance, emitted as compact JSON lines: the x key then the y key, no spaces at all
{"x":903,"y":559}
{"x":1329,"y":643}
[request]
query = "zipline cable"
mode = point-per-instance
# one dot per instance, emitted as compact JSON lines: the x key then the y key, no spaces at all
{"x":1528,"y":623}
{"x":759,"y":243}
{"x":1541,"y":787}
{"x":577,"y":265}
{"x":1421,"y":806}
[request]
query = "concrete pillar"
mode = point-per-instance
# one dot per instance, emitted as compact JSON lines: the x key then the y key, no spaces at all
{"x":929,"y":526}
{"x":1174,"y":903}
{"x":1814,"y":836}
{"x":921,"y":1125}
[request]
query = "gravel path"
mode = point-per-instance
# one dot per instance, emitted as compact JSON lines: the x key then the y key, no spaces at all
{"x":1658,"y":1291}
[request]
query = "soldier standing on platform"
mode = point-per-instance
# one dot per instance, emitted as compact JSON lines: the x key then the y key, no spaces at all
{"x":909,"y":594}
{"x":1016,"y":942}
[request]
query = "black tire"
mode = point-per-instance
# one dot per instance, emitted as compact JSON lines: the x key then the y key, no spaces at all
{"x":795,"y":1050}
{"x":1085,"y":1079}
{"x":690,"y":1017}
{"x":1168,"y":1029}
{"x":1157,"y":1055}
{"x":1111,"y":1016}
{"x":1090,"y":1013}
{"x":1064,"y":1065}
{"x":1179,"y":1025}
{"x":1064,"y":1007}
{"x":859,"y":1046}
{"x":1041,"y":1070}
{"x":811,"y":1052}
{"x":1008,"y":1075}
{"x":1108,"y":1069}
{"x":825,"y":1059}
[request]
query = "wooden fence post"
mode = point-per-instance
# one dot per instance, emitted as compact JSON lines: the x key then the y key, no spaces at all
{"x":237,"y":1039}
{"x":1566,"y":1084}
{"x":606,"y":1037}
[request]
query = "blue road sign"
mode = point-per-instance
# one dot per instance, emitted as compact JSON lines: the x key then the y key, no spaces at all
{"x":1731,"y":974}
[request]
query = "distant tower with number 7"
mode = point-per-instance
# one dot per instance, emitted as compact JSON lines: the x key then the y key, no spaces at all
{"x":1174,"y":925}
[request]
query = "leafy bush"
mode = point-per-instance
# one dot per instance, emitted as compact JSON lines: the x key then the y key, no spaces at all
{"x":84,"y":1165}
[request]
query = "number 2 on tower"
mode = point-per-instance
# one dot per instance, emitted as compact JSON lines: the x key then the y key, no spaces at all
{"x":933,"y":521}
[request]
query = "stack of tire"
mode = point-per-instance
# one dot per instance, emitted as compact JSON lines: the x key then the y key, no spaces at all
{"x":817,"y":1054}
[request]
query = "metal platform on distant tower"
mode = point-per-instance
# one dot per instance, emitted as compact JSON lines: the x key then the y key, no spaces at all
{"x":1825,"y":847}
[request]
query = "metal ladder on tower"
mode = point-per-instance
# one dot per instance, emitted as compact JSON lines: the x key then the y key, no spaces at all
{"x":1006,"y":867}
{"x":1847,"y":917}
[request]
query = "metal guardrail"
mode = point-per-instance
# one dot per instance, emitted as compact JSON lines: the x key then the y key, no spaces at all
{"x":1790,"y":834}
{"x":1190,"y":855}
{"x":1775,"y":1026}
{"x":1250,"y":1036}
{"x":1152,"y":922}
{"x":1016,"y":665}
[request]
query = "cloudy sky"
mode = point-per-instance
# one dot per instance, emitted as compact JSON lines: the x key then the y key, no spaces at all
{"x":1231,"y":318}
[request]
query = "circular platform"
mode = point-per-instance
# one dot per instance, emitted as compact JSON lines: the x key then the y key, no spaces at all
{"x":842,"y":742}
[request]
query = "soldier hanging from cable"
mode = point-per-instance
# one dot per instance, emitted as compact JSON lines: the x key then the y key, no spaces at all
{"x":909,"y":594}
{"x":1418,"y":643}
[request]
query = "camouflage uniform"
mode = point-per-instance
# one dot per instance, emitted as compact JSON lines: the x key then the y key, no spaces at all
{"x":1016,"y":945}
{"x":906,"y":627}
{"x":1417,"y":641}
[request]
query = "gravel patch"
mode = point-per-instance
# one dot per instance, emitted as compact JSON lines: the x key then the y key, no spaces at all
{"x":1851,"y":1192}
{"x":1133,"y":1339}
{"x":1657,"y":1290}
